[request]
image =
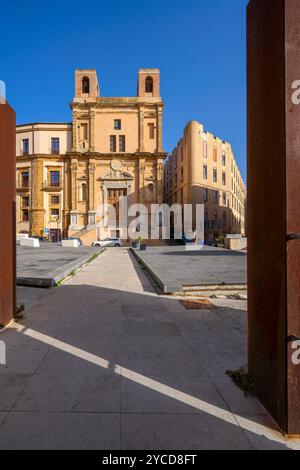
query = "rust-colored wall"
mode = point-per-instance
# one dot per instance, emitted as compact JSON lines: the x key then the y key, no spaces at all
{"x":292,"y":67}
{"x":274,"y":205}
{"x":7,"y":212}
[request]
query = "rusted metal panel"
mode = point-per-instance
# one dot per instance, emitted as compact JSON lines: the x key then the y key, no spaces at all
{"x":292,"y":47}
{"x":274,"y":206}
{"x":7,"y":213}
{"x":267,"y":262}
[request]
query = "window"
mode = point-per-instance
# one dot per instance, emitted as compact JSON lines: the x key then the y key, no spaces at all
{"x":55,"y":200}
{"x":205,"y":172}
{"x":25,"y":215}
{"x":215,"y":215}
{"x":113,"y":143}
{"x":84,"y":131}
{"x":224,"y":179}
{"x":223,"y":159}
{"x":224,"y":199}
{"x":54,"y":178}
{"x":215,"y":175}
{"x":149,"y":85}
{"x":151,"y":128}
{"x":83,"y":195}
{"x":54,"y":214}
{"x":205,"y":194}
{"x":55,"y":145}
{"x":215,"y":155}
{"x":216,"y":197}
{"x":25,"y":179}
{"x":25,"y":201}
{"x":122,"y":143}
{"x":224,"y":217}
{"x":151,"y":187}
{"x":25,"y":146}
{"x":205,"y":149}
{"x":85,"y":85}
{"x":117,"y":125}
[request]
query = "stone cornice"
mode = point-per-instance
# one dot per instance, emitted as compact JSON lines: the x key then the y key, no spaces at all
{"x":118,"y":102}
{"x":44,"y":156}
{"x":113,"y":156}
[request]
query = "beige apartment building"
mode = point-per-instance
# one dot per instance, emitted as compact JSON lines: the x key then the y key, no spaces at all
{"x":202,"y":170}
{"x":113,"y":147}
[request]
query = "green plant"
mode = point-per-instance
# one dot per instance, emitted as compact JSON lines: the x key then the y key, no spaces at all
{"x":220,"y":240}
{"x":243,"y":380}
{"x":19,"y":312}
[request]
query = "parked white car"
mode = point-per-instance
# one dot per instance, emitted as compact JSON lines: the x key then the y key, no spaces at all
{"x":116,"y":242}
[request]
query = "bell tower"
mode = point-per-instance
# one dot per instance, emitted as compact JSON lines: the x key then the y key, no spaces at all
{"x":149,"y":83}
{"x":86,"y":85}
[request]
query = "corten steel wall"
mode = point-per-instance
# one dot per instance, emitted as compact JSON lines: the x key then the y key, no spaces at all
{"x":273,"y":45}
{"x":7,"y":212}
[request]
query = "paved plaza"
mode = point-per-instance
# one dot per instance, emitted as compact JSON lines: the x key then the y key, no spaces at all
{"x":175,"y":267}
{"x":49,"y":264}
{"x":103,"y":362}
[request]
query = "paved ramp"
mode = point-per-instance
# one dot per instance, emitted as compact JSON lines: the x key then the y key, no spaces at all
{"x":104,"y":363}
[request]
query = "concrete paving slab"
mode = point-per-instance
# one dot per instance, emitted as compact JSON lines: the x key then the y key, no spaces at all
{"x":263,"y":433}
{"x":82,"y":392}
{"x":157,"y":364}
{"x":11,"y":387}
{"x":236,"y":400}
{"x":137,"y":399}
{"x":2,"y":416}
{"x":165,"y":432}
{"x":25,"y":361}
{"x":60,"y":431}
{"x":49,"y":264}
{"x":155,"y":344}
{"x":173,"y":268}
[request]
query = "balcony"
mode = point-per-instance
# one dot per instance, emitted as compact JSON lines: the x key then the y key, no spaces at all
{"x":53,"y":186}
{"x":23,"y":185}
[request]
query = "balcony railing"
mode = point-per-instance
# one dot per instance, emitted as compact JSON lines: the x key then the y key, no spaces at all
{"x":23,"y":185}
{"x":52,"y":186}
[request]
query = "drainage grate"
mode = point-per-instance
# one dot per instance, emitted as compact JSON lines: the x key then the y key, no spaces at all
{"x":198,"y":304}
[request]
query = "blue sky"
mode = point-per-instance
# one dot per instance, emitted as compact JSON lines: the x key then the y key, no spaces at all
{"x":199,"y":45}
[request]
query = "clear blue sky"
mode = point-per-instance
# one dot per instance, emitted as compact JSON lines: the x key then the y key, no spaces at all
{"x":199,"y":45}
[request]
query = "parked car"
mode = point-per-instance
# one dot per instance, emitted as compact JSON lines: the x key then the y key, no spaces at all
{"x":74,"y":238}
{"x":116,"y":242}
{"x":40,"y":238}
{"x":185,"y":240}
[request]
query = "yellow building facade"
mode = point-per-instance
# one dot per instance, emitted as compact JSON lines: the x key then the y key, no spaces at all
{"x":113,"y":147}
{"x":202,"y":170}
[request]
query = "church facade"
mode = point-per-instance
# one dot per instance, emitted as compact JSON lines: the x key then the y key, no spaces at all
{"x":112,"y":148}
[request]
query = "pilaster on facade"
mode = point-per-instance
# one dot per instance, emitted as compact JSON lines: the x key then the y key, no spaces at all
{"x":91,"y":194}
{"x":159,"y":148}
{"x":75,"y":131}
{"x":37,"y":213}
{"x":142,"y":167}
{"x":92,"y":116}
{"x":74,"y":212}
{"x":160,"y":181}
{"x":141,"y":130}
{"x":74,"y":168}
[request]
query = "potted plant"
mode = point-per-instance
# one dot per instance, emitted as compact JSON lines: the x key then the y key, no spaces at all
{"x":220,"y":242}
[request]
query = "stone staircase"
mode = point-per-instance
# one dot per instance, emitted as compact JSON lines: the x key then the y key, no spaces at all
{"x":87,"y":236}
